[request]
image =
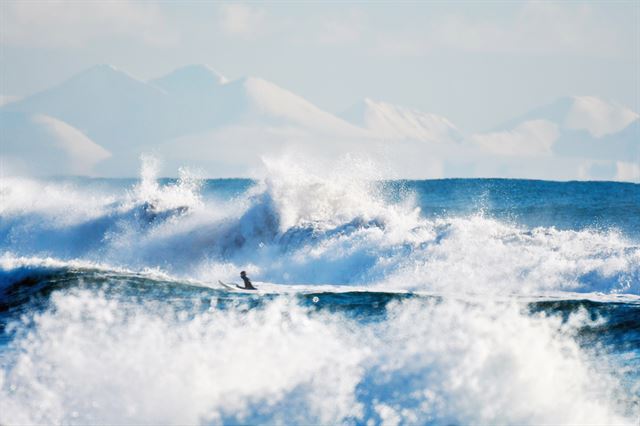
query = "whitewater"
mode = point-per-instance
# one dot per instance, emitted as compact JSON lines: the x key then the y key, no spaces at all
{"x":456,"y":301}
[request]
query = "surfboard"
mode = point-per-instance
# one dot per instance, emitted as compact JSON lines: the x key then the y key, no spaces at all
{"x":228,"y":286}
{"x":234,"y":286}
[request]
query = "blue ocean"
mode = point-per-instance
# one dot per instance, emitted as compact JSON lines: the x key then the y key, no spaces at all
{"x":456,"y":301}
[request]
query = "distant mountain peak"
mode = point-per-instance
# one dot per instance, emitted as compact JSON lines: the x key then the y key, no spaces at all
{"x":102,"y":68}
{"x":395,"y":121}
{"x":103,"y":80}
{"x":189,"y":78}
{"x":101,"y":72}
{"x":267,"y":99}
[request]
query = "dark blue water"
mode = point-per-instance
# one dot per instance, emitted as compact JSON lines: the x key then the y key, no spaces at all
{"x":563,"y":205}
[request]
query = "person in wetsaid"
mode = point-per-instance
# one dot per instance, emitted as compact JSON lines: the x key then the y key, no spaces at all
{"x":247,"y":282}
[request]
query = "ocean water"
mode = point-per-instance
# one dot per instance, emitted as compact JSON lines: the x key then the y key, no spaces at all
{"x":463,"y":301}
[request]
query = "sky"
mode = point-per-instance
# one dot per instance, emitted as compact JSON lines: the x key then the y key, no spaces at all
{"x":477,"y":63}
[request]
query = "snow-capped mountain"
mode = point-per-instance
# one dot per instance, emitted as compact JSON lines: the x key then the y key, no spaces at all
{"x":108,"y":105}
{"x":49,"y":143}
{"x":204,"y":92}
{"x":189,"y":79}
{"x":195,"y":116}
{"x":119,"y":111}
{"x":396,"y":122}
{"x":127,"y":116}
{"x":271,"y":104}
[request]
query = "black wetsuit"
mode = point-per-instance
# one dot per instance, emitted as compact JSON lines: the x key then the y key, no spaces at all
{"x":247,"y":283}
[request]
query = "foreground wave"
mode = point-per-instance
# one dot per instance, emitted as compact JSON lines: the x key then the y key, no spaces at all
{"x":94,"y":346}
{"x":469,"y":301}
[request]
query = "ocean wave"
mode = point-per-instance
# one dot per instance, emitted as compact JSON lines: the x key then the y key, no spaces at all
{"x":299,"y":227}
{"x":91,"y":357}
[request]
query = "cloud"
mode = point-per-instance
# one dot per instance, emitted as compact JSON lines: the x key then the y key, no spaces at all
{"x":622,"y":171}
{"x":59,"y":23}
{"x":529,"y":139}
{"x":242,"y":20}
{"x":537,"y":28}
{"x":590,"y":169}
{"x":629,"y":172}
{"x":5,"y":99}
{"x":597,"y":116}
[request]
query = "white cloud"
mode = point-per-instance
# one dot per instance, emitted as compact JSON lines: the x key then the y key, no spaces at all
{"x":59,"y":23}
{"x":594,"y":169}
{"x":597,"y":116}
{"x":5,"y":99}
{"x":242,"y":19}
{"x":629,"y":172}
{"x":538,"y":27}
{"x":623,"y":171}
{"x":529,"y":139}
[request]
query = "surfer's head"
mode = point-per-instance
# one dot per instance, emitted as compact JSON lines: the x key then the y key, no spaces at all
{"x":243,"y":274}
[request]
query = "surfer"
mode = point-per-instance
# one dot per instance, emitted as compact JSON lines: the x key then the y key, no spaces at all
{"x":247,"y":282}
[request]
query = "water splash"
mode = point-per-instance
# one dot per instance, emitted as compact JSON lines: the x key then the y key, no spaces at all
{"x":93,"y":358}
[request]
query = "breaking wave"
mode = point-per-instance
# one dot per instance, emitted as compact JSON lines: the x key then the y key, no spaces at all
{"x":93,"y":358}
{"x":297,"y":227}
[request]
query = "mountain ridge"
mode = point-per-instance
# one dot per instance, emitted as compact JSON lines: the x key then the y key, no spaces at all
{"x":394,"y":121}
{"x":197,"y":107}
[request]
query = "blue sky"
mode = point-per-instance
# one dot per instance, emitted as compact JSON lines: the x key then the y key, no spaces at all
{"x":477,"y":63}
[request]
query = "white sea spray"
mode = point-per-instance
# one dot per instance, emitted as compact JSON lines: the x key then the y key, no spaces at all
{"x":93,"y":359}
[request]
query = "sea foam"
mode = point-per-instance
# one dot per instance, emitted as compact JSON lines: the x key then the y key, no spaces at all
{"x":91,"y":359}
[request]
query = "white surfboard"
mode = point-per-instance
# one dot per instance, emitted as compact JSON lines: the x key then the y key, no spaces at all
{"x":228,"y":286}
{"x":233,"y":286}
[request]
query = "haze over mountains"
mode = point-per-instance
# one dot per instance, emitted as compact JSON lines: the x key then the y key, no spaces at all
{"x":102,"y":119}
